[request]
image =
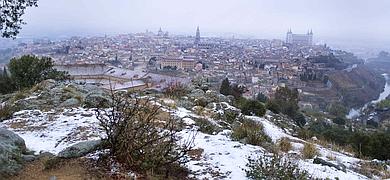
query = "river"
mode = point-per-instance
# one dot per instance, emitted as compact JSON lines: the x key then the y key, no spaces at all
{"x":382,"y":96}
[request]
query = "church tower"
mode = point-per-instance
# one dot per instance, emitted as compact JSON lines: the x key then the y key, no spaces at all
{"x":197,"y":36}
{"x":289,"y":37}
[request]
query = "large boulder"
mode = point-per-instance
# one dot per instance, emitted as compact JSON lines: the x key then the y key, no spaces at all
{"x":72,"y":102}
{"x":212,"y":96}
{"x":196,"y":94}
{"x":185,"y":103}
{"x":80,"y":149}
{"x":340,"y":167}
{"x":223,"y":98}
{"x":97,"y":99}
{"x":47,"y":84}
{"x":12,"y":148}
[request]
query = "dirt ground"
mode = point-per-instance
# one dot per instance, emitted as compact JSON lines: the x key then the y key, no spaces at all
{"x":72,"y":169}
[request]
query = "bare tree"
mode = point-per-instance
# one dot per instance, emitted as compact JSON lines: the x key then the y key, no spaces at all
{"x":11,"y":16}
{"x":141,"y":136}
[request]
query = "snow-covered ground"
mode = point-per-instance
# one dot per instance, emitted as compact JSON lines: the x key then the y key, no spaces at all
{"x":220,"y":156}
{"x":230,"y":157}
{"x":51,"y":131}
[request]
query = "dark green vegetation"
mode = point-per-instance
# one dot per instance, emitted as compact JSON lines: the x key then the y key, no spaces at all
{"x":11,"y":13}
{"x":251,"y":107}
{"x":286,"y":102}
{"x":384,"y":104}
{"x":6,"y":83}
{"x":365,"y":144}
{"x":261,"y":97}
{"x":26,"y":71}
{"x":231,"y":89}
{"x":274,"y":168}
{"x":250,"y":132}
{"x":247,"y":106}
{"x":337,"y":110}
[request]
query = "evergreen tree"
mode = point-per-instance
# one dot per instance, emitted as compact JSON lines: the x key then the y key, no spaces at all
{"x":253,"y":107}
{"x":261,"y":97}
{"x":225,"y":87}
{"x":6,"y":84}
{"x":29,"y":70}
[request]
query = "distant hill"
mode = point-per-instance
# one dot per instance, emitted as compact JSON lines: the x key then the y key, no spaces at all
{"x":380,"y":63}
{"x":357,"y":87}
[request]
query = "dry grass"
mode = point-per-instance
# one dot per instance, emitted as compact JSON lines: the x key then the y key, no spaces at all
{"x":370,"y":169}
{"x":206,"y":126}
{"x":250,"y":132}
{"x":335,"y":147}
{"x":309,"y":151}
{"x":284,"y":144}
{"x":72,"y":169}
{"x":6,"y":112}
{"x":23,"y":125}
{"x":196,"y":154}
{"x":20,"y":95}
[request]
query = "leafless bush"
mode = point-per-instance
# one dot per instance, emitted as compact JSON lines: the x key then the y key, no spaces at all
{"x":6,"y":111}
{"x":284,"y":144}
{"x":309,"y":151}
{"x":142,"y":137}
{"x":175,"y":89}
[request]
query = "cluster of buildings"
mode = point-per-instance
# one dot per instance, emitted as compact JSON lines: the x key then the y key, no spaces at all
{"x":152,"y":60}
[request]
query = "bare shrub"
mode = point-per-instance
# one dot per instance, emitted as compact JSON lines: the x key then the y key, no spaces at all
{"x":140,"y":137}
{"x":284,"y":144}
{"x":274,"y":168}
{"x":309,"y":151}
{"x":374,"y":168}
{"x":6,"y":111}
{"x":175,"y":89}
{"x":206,"y":126}
{"x":250,"y":132}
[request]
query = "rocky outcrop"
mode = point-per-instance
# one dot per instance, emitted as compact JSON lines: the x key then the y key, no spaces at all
{"x":340,"y":167}
{"x":96,"y":100}
{"x":12,"y":150}
{"x":80,"y":149}
{"x":52,"y":94}
{"x":357,"y":87}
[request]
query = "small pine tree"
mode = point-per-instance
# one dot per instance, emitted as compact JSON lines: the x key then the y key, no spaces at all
{"x":253,"y":107}
{"x":6,"y":84}
{"x":261,"y":97}
{"x":225,"y":87}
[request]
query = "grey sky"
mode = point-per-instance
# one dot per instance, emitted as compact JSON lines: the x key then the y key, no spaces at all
{"x":356,"y":20}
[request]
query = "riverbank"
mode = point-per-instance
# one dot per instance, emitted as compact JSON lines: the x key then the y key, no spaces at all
{"x":382,"y":96}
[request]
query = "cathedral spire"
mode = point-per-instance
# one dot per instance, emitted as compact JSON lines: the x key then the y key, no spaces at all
{"x":197,"y":36}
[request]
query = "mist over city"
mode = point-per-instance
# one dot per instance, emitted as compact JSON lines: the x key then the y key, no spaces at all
{"x":334,"y":22}
{"x":194,"y":89}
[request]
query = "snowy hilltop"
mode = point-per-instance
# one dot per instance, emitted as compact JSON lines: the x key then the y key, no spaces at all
{"x":56,"y":123}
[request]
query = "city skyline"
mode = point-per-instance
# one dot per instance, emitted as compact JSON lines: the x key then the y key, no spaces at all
{"x":355,"y":22}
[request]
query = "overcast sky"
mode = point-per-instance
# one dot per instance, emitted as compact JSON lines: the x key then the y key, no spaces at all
{"x":331,"y":20}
